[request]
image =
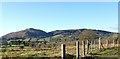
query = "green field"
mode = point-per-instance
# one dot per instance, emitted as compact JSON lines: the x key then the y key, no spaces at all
{"x":54,"y":51}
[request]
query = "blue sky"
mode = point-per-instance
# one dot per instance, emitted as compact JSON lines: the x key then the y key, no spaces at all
{"x":49,"y":16}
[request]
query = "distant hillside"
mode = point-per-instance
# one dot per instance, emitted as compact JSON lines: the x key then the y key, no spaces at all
{"x":36,"y":33}
{"x":76,"y":31}
{"x":31,"y":32}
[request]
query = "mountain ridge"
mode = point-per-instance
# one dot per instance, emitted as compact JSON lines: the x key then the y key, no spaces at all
{"x":37,"y":33}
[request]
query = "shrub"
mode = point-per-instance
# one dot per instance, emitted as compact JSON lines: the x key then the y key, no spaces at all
{"x":21,"y":47}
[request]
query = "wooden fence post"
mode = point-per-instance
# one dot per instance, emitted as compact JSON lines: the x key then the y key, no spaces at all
{"x":77,"y":50}
{"x":94,"y":44}
{"x":88,"y":46}
{"x":83,"y":48}
{"x":113,"y":43}
{"x":107,"y":42}
{"x":91,"y":46}
{"x":117,"y":43}
{"x":118,"y":47}
{"x":99,"y":43}
{"x":63,"y":51}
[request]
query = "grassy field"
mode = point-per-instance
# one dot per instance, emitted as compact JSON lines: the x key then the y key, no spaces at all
{"x":55,"y":51}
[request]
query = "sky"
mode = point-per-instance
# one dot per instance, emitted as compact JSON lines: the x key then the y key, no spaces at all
{"x":50,"y":16}
{"x":60,"y":0}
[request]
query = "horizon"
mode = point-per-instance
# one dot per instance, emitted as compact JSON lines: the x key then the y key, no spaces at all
{"x":50,"y":16}
{"x":65,"y":29}
{"x":59,"y":29}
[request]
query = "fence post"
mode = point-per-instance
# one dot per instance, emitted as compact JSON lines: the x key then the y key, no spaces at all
{"x":113,"y":43}
{"x":77,"y":50}
{"x":107,"y":42}
{"x":87,"y":44}
{"x":118,"y":46}
{"x":117,"y":43}
{"x":91,"y":45}
{"x":94,"y":44}
{"x":99,"y":43}
{"x":63,"y":51}
{"x":83,"y":48}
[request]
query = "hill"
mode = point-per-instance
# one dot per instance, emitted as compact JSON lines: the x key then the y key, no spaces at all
{"x":30,"y":32}
{"x":37,"y":33}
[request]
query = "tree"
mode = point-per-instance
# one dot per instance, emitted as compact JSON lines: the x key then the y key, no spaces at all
{"x":113,"y":37}
{"x":88,"y":35}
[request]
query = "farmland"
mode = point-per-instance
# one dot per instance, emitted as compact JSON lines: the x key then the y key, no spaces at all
{"x":54,"y":51}
{"x":96,"y":44}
